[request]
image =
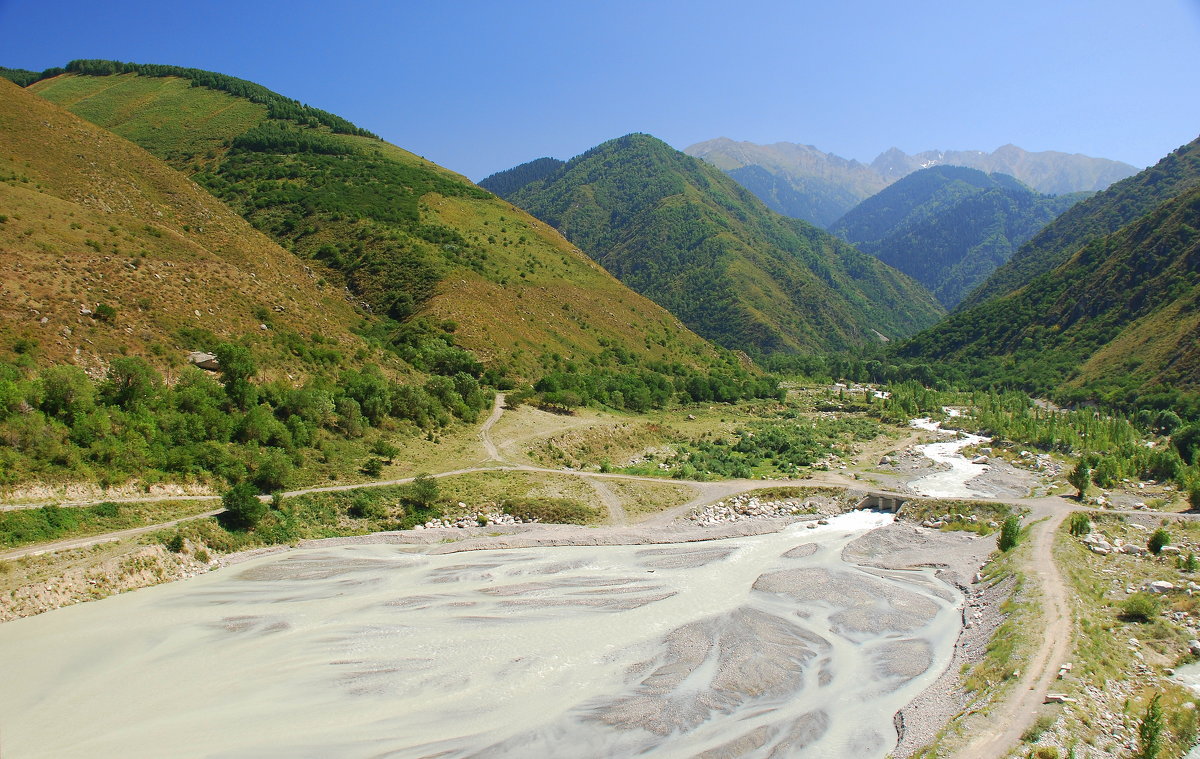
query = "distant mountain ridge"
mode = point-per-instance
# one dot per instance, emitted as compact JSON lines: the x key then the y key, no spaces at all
{"x":690,"y":238}
{"x":949,"y":227}
{"x":826,"y":186}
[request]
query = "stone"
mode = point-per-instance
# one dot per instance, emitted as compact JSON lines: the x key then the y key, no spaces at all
{"x":1058,"y":698}
{"x":1159,"y":586}
{"x":1103,"y":550}
{"x":979,"y":460}
{"x":1170,"y":551}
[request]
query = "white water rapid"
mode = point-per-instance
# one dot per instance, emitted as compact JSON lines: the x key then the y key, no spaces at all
{"x":950,"y":483}
{"x":767,"y":646}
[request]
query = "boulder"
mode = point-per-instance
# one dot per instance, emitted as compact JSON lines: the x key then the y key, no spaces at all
{"x":1159,"y":586}
{"x":979,"y":460}
{"x":1171,"y":550}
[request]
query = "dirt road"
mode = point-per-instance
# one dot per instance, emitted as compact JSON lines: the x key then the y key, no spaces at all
{"x":1016,"y":713}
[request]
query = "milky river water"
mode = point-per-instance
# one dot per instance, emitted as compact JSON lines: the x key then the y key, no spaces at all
{"x":767,"y":646}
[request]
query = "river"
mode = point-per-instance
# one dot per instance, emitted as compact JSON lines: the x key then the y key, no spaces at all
{"x":766,"y":646}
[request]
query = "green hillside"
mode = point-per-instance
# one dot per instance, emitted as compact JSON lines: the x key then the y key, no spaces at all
{"x":1100,"y":215}
{"x":418,"y":246}
{"x":690,"y":238}
{"x":1117,"y":321}
{"x":949,"y":227}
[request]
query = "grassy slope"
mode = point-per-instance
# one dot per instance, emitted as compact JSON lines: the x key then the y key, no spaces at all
{"x":92,"y":218}
{"x":408,"y":237}
{"x":1099,"y":215}
{"x":1121,"y":315}
{"x":693,"y":240}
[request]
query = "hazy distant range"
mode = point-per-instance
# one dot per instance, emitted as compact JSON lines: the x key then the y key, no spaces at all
{"x":806,"y":183}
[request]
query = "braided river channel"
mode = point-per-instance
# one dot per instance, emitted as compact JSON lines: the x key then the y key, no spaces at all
{"x":776,"y":645}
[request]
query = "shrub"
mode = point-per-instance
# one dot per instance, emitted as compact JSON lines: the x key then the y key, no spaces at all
{"x":365,"y":507}
{"x":1010,"y":533}
{"x":242,"y":508}
{"x":1080,"y":477}
{"x":1080,"y":524}
{"x":422,"y":491}
{"x":1190,"y":564}
{"x":372,"y":467}
{"x":174,"y":543}
{"x":1141,"y":607}
{"x":1158,"y":539}
{"x":105,"y":313}
{"x":1150,"y":741}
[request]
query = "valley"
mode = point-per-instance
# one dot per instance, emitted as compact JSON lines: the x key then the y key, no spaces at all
{"x":312,"y":446}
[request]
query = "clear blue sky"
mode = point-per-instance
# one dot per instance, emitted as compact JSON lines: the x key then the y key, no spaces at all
{"x":482,"y":85}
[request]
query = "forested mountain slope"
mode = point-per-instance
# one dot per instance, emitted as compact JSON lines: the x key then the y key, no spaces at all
{"x":1100,"y":215}
{"x":409,"y":239}
{"x":1118,"y":320}
{"x":949,"y":227}
{"x":682,"y":233}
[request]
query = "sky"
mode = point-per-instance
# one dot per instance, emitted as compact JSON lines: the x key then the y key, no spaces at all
{"x":480,"y":86}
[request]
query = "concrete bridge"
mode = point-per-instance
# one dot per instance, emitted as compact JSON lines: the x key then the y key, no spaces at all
{"x":881,"y":502}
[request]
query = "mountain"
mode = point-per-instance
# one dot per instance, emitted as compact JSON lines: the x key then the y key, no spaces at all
{"x":1117,"y":318}
{"x":1095,"y":217}
{"x":795,"y":180}
{"x":827,"y":186}
{"x":682,"y":233}
{"x":108,"y":251}
{"x":1047,"y":171}
{"x":949,"y":227}
{"x":420,"y":247}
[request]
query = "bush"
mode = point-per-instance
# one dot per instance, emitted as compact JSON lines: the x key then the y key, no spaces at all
{"x":105,"y":313}
{"x":1010,"y":533}
{"x":1141,"y":607}
{"x":1080,"y":524}
{"x":372,"y":467}
{"x":1150,"y":742}
{"x":174,"y":543}
{"x":422,"y":491}
{"x":366,"y":507}
{"x":243,"y":510}
{"x":1158,"y":539}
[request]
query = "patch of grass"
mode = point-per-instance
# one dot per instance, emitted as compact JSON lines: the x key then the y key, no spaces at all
{"x":555,"y":510}
{"x":23,"y":527}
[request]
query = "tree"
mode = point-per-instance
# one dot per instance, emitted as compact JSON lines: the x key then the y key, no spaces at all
{"x":1080,"y":477}
{"x":237,"y":369}
{"x":1150,"y":731}
{"x":1158,"y":539}
{"x":1194,"y":498}
{"x":1010,"y":533}
{"x":131,"y":383}
{"x":1080,"y":524}
{"x":242,"y":508}
{"x":422,"y":491}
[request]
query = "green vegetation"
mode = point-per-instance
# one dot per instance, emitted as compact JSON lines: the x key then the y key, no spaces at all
{"x":1150,"y":731}
{"x":1158,"y":539}
{"x":21,"y":527}
{"x":1079,"y":524}
{"x":1141,"y":607}
{"x":1010,"y":533}
{"x":694,"y":241}
{"x":58,"y":423}
{"x":949,"y":227}
{"x":559,"y":510}
{"x":243,"y":509}
{"x":1096,"y":217}
{"x":654,"y":386}
{"x":1109,"y":315}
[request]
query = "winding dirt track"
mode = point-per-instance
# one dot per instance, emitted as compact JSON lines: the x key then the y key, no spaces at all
{"x":1016,"y":713}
